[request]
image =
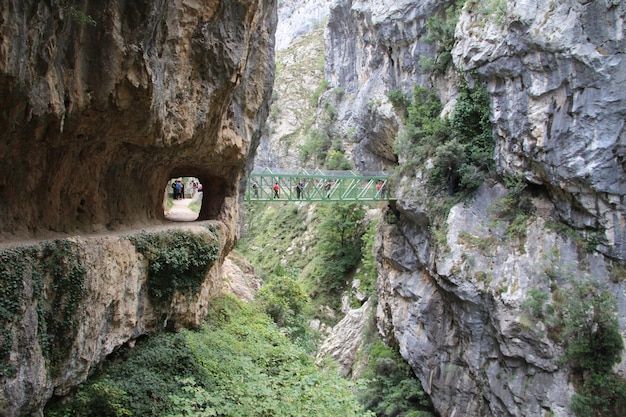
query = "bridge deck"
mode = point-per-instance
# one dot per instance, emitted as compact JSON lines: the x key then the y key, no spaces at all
{"x":325,"y":186}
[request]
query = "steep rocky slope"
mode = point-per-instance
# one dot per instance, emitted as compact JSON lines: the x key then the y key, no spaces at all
{"x":103,"y":103}
{"x":454,"y":302}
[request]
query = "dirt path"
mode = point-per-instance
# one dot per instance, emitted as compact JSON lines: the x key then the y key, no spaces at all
{"x":175,"y":218}
{"x":180,"y":212}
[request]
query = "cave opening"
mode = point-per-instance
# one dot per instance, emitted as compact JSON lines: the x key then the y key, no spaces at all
{"x":182,"y":199}
{"x":199,"y":197}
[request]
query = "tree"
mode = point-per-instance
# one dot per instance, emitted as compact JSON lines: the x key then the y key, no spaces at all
{"x":340,"y":242}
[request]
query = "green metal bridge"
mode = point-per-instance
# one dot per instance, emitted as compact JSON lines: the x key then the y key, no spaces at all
{"x":316,"y":185}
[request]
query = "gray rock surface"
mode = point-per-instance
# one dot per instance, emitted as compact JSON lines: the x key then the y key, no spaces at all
{"x":556,"y":76}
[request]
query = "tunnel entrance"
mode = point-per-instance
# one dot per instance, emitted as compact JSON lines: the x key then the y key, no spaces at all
{"x":182,"y":199}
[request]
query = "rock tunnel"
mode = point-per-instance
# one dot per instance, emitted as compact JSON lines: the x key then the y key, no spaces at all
{"x":96,"y":119}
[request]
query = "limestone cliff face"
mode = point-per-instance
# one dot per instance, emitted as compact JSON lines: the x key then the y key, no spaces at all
{"x":556,"y":76}
{"x":96,"y":118}
{"x":102,"y":103}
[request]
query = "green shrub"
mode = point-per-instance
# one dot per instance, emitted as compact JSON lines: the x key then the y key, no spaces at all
{"x":424,"y":131}
{"x":336,"y":160}
{"x":440,"y":29}
{"x":399,"y":101}
{"x":601,"y":395}
{"x":284,"y":299}
{"x":536,"y":304}
{"x":324,"y":85}
{"x":340,"y":242}
{"x":178,"y":261}
{"x":515,"y":208}
{"x":591,"y":329}
{"x":461,"y":147}
{"x":391,"y":388}
{"x":237,"y":364}
{"x":368,"y":272}
{"x":315,"y":147}
{"x":594,"y":344}
{"x":101,"y":399}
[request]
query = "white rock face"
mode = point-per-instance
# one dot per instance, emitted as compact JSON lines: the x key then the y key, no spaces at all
{"x":298,"y":17}
{"x":345,"y":339}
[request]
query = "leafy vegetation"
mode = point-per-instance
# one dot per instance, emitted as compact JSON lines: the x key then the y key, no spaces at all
{"x":366,"y":273}
{"x":63,"y":261}
{"x":454,"y":154}
{"x":388,"y":386}
{"x":76,"y":14}
{"x":594,"y":345}
{"x":339,"y":248}
{"x":461,"y":147}
{"x":284,"y":299}
{"x":399,"y":101}
{"x":333,"y":241}
{"x":339,"y":245}
{"x":581,"y":316}
{"x":237,"y":364}
{"x":440,"y":30}
{"x":58,"y":263}
{"x":272,"y":230}
{"x":324,"y":85}
{"x":515,"y":208}
{"x":178,"y":261}
{"x":424,"y":131}
{"x":315,"y":148}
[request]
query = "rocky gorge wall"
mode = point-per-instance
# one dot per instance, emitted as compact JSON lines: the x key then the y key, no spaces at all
{"x":103,"y":103}
{"x":98,"y":117}
{"x":454,"y":303}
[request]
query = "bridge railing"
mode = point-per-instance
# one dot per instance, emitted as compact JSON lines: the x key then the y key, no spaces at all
{"x":316,"y":185}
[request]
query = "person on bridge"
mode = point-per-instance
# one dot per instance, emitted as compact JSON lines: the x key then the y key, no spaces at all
{"x":299,"y":189}
{"x":276,"y":189}
{"x":255,"y":189}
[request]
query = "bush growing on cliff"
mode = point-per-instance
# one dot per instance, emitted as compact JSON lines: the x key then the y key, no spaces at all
{"x":60,"y":264}
{"x":594,"y":344}
{"x":460,"y":148}
{"x":367,"y":272}
{"x":424,"y":131}
{"x":399,"y":101}
{"x":440,"y":29}
{"x":284,"y":299}
{"x":390,"y":387}
{"x":237,"y":364}
{"x":178,"y":261}
{"x":339,"y":244}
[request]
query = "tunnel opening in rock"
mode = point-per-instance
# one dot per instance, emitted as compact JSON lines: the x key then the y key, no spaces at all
{"x":200,"y":197}
{"x":182,"y":199}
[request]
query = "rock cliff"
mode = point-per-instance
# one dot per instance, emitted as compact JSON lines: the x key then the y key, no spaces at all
{"x":556,"y":78}
{"x":103,"y":103}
